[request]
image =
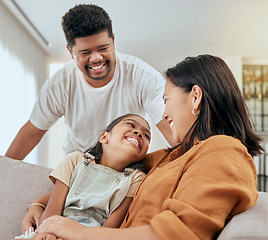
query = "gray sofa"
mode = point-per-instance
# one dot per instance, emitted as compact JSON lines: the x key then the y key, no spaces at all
{"x":22,"y":182}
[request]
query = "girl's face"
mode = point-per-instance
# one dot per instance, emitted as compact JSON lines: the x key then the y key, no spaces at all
{"x":128,"y":140}
{"x":178,"y":110}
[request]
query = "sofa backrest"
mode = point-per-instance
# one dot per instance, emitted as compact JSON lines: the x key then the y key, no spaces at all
{"x":251,"y":224}
{"x":21,"y":184}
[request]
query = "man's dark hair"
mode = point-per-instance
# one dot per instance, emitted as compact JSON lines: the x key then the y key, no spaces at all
{"x":85,"y":20}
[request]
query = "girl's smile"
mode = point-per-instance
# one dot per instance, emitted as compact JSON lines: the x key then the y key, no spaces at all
{"x":134,"y":140}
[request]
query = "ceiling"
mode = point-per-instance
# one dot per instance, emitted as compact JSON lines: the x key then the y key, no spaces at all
{"x":162,"y":32}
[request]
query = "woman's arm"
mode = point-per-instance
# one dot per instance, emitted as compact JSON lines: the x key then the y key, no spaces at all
{"x":117,"y":217}
{"x":56,"y":201}
{"x":69,"y":229}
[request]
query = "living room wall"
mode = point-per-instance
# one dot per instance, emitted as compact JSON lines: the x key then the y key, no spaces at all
{"x":24,"y":66}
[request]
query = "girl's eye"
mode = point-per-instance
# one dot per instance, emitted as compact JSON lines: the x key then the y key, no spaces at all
{"x":147,"y":136}
{"x":131,"y":124}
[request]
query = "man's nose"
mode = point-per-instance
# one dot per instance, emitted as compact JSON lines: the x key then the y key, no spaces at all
{"x":95,"y":57}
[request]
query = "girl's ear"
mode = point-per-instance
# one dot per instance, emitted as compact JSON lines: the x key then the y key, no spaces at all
{"x":104,"y":137}
{"x":197,"y":96}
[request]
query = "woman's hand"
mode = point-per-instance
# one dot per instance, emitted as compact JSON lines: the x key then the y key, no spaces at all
{"x":61,"y":227}
{"x":68,"y":229}
{"x":32,"y":218}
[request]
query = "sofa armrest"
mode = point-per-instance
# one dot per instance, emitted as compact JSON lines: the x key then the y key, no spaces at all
{"x":251,"y":224}
{"x":21,"y":184}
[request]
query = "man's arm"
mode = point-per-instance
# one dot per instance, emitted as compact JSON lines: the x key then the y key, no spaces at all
{"x":27,"y":138}
{"x":163,"y":126}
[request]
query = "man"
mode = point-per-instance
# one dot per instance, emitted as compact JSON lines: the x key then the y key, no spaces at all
{"x":96,"y":87}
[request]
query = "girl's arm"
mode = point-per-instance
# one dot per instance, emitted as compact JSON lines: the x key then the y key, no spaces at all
{"x":117,"y":217}
{"x":56,"y":201}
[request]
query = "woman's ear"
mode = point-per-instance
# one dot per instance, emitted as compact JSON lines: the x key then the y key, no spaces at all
{"x":104,"y":137}
{"x":197,"y":96}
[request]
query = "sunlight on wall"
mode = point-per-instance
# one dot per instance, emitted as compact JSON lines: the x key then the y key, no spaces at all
{"x":17,"y":96}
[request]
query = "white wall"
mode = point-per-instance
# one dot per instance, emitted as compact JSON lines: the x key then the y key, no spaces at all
{"x":23,"y":68}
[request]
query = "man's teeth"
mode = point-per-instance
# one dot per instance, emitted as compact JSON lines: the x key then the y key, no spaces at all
{"x":171,"y":124}
{"x":96,"y":67}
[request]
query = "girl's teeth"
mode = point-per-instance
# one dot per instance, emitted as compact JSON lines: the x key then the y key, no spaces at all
{"x":134,"y":141}
{"x":171,"y":124}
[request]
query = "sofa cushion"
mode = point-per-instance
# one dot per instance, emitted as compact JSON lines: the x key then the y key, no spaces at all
{"x":251,"y":224}
{"x":21,"y":184}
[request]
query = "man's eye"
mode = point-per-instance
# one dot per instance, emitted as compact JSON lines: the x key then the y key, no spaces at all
{"x":103,"y":49}
{"x":86,"y":53}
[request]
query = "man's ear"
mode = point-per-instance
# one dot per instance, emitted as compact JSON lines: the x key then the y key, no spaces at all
{"x":104,"y":137}
{"x":197,"y":96}
{"x":70,"y":51}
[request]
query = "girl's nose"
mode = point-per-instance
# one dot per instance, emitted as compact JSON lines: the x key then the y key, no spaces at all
{"x":139,"y":133}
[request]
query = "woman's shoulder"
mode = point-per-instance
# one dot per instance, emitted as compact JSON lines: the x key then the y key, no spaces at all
{"x":221,"y":141}
{"x":221,"y":148}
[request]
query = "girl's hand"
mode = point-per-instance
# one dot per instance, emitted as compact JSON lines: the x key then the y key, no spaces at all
{"x":32,"y":218}
{"x":44,"y":236}
{"x":61,"y":227}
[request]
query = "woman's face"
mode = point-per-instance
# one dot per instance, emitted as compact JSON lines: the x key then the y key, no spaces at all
{"x":178,"y":110}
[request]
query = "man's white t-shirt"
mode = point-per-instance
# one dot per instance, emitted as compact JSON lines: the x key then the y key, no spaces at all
{"x":136,"y":87}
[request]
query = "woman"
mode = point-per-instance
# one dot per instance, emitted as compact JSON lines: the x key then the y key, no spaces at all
{"x":195,"y":187}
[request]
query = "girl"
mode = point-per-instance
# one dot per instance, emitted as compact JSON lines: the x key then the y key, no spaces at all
{"x":101,"y":187}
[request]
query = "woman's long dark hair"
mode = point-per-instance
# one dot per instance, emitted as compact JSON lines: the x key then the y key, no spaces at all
{"x":223,"y":109}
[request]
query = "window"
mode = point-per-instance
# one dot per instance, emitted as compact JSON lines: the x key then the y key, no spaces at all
{"x":17,"y":96}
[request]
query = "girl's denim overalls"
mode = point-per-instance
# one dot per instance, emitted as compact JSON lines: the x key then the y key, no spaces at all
{"x":95,"y":192}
